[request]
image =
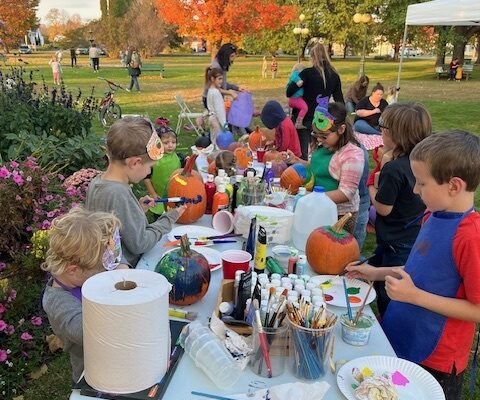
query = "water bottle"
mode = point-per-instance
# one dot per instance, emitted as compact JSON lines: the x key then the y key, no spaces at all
{"x":301,"y":192}
{"x":312,"y":211}
{"x":211,"y":356}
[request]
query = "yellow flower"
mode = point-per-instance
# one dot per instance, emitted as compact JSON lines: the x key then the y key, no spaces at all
{"x":40,"y":243}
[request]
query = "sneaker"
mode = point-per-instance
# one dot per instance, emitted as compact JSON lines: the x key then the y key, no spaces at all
{"x":300,"y":126}
{"x":127,"y":89}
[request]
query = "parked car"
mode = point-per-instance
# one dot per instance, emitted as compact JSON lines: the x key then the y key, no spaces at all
{"x":82,"y":50}
{"x":24,"y":49}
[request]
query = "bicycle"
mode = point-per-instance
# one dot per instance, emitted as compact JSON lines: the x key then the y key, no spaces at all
{"x":109,"y":111}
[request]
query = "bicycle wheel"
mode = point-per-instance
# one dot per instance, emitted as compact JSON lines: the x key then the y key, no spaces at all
{"x":110,"y":114}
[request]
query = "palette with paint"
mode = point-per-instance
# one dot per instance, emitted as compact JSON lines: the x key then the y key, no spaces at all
{"x":334,"y":294}
{"x":407,"y":380}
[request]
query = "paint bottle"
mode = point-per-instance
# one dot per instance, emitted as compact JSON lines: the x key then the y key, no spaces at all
{"x":228,"y":186}
{"x":261,"y":251}
{"x":226,"y":308}
{"x":210,"y":189}
{"x":268,"y":176}
{"x":220,"y":200}
{"x":236,"y":186}
{"x":301,"y":192}
{"x":273,"y":266}
{"x":292,"y":260}
{"x":251,"y":239}
{"x":219,"y":178}
{"x":301,"y":265}
{"x":250,"y":169}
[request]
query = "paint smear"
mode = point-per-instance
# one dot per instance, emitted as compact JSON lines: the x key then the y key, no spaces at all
{"x":354,"y":386}
{"x":353,"y":290}
{"x":354,"y":299}
{"x":399,"y":379}
{"x":328,"y":297}
{"x":366,"y":372}
{"x":326,"y":285}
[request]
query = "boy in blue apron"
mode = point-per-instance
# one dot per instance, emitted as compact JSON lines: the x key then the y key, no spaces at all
{"x":436,"y":295}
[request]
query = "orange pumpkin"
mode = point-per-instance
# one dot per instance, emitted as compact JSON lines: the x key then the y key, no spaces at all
{"x":330,"y":248}
{"x":189,"y":184}
{"x":295,"y":176}
{"x":256,"y":139}
{"x":243,"y":156}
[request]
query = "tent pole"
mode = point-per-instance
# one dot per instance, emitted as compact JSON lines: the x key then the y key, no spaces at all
{"x":404,"y":44}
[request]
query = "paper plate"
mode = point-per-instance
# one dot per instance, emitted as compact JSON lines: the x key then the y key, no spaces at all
{"x":193,"y":232}
{"x":213,"y":256}
{"x":411,"y":381}
{"x":335,"y":295}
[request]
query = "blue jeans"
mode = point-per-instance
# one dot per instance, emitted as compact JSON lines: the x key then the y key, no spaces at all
{"x":134,"y":81}
{"x":350,"y":106}
{"x":360,"y":231}
{"x":388,"y":255}
{"x":363,"y":126}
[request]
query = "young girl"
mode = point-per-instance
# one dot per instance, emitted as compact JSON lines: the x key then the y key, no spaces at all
{"x":157,"y":182}
{"x":215,"y":104}
{"x":356,"y":92}
{"x":337,"y":161}
{"x":391,"y":95}
{"x":56,"y":70}
{"x":402,"y":126}
{"x":296,"y":101}
{"x":81,"y":244}
{"x":274,"y":67}
{"x":133,"y":147}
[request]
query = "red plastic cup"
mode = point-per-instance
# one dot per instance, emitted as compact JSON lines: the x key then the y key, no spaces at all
{"x":260,"y":154}
{"x":234,"y":260}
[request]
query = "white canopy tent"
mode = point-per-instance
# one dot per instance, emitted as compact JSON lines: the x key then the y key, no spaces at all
{"x":440,"y":12}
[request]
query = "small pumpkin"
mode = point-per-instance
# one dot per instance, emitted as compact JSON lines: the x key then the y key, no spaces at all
{"x":189,"y":184}
{"x":187,"y":271}
{"x":256,"y":139}
{"x":295,"y":176}
{"x":243,"y":156}
{"x":330,"y":248}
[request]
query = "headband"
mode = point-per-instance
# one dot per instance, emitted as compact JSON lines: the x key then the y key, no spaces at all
{"x":322,"y":119}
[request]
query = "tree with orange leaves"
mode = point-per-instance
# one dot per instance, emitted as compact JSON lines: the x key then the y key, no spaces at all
{"x":220,"y":21}
{"x":17,"y":16}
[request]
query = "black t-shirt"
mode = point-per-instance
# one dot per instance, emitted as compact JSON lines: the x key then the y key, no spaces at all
{"x":395,"y":188}
{"x":364,"y":104}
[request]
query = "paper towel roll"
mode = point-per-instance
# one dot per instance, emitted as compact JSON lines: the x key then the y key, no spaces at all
{"x":126,"y":334}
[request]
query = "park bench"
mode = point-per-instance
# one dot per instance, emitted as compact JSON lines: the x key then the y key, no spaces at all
{"x":154,"y":68}
{"x":444,"y":70}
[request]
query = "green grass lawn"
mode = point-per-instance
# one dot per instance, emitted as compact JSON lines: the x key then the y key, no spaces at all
{"x":452,"y":106}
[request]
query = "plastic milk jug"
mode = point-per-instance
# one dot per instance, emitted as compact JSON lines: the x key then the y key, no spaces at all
{"x":312,"y":211}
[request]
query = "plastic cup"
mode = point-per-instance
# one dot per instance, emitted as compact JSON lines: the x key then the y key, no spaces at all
{"x":260,"y":155}
{"x":310,"y":350}
{"x":357,"y":335}
{"x":233,"y":260}
{"x":282,"y":254}
{"x":277,"y":346}
{"x":222,"y":221}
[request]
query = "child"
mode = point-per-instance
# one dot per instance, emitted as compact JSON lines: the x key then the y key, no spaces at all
{"x":133,"y":147}
{"x":274,"y":67}
{"x":157,"y":182}
{"x":56,"y":70}
{"x":296,"y":100}
{"x":436,"y":298}
{"x":391,"y":95}
{"x":264,"y":67}
{"x":81,"y":244}
{"x":215,"y":103}
{"x":459,"y":73}
{"x":403,"y":126}
{"x":286,"y":136}
{"x":452,"y":68}
{"x":356,"y":92}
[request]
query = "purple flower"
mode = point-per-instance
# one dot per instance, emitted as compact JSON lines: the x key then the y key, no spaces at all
{"x":61,"y":177}
{"x":41,"y":201}
{"x":35,"y":218}
{"x":36,"y":321}
{"x":18,"y":198}
{"x":14,"y":164}
{"x":10,"y":330}
{"x":4,"y":173}
{"x":50,"y":214}
{"x":29,"y":229}
{"x":45,"y":225}
{"x":12,"y":296}
{"x":48,"y":197}
{"x":18,"y":179}
{"x":3,"y":355}
{"x":26,"y":336}
{"x":2,"y":266}
{"x":2,"y":309}
{"x":3,"y":325}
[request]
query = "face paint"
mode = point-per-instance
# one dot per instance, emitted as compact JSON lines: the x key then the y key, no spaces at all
{"x":113,"y":253}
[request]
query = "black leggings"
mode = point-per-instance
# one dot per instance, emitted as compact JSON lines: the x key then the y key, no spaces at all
{"x":450,"y":383}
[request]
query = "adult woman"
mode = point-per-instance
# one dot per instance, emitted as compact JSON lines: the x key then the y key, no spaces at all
{"x":356,"y":92}
{"x":337,"y":160}
{"x":223,"y":60}
{"x":321,"y":79}
{"x":368,"y":111}
{"x":134,"y":64}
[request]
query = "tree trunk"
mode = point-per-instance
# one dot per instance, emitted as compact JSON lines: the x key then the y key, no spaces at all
{"x":460,"y":43}
{"x":478,"y":49}
{"x":345,"y":49}
{"x":441,"y":46}
{"x":396,"y":50}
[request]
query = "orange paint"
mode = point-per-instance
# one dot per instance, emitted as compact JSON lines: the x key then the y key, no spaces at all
{"x":354,"y":299}
{"x":328,"y":297}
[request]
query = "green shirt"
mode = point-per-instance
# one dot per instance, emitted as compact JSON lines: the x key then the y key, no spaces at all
{"x":161,"y":172}
{"x":319,"y":165}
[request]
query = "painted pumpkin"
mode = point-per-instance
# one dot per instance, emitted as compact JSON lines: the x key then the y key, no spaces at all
{"x":330,"y":248}
{"x":295,"y":176}
{"x":243,"y":155}
{"x":187,"y":271}
{"x":189,"y":184}
{"x":256,"y":139}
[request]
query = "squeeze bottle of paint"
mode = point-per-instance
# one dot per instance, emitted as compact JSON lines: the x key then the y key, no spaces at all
{"x":219,"y":178}
{"x":301,"y":265}
{"x":250,"y":169}
{"x":220,"y":200}
{"x":236,"y":186}
{"x":301,"y":192}
{"x":268,"y":176}
{"x":210,"y":189}
{"x":261,"y":251}
{"x":228,"y":186}
{"x":292,"y":261}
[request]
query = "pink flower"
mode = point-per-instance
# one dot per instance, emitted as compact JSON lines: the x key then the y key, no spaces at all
{"x":29,"y":229}
{"x":45,"y":179}
{"x":35,"y":218}
{"x":61,"y":177}
{"x":48,"y":197}
{"x":3,"y":355}
{"x":45,"y":225}
{"x":14,"y":164}
{"x":2,"y":309}
{"x":36,"y":321}
{"x":18,"y":198}
{"x":3,"y":325}
{"x":18,"y":180}
{"x":26,"y":336}
{"x":50,"y":214}
{"x":4,"y":173}
{"x":2,"y":266}
{"x":10,"y":330}
{"x":12,"y":296}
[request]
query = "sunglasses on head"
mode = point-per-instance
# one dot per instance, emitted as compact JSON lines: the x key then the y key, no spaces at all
{"x":381,"y":123}
{"x":323,"y":136}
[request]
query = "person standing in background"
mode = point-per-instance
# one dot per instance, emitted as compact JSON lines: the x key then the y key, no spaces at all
{"x":73,"y":57}
{"x":94,"y":54}
{"x":274,"y":67}
{"x":134,"y":64}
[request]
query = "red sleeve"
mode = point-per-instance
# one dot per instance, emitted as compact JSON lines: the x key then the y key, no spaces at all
{"x":289,"y":137}
{"x":466,"y":254}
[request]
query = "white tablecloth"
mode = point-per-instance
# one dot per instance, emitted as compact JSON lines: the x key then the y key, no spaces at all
{"x":188,"y":377}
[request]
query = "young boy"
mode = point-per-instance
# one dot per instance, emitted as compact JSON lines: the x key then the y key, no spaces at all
{"x":286,"y":136}
{"x":436,"y":296}
{"x":133,"y":147}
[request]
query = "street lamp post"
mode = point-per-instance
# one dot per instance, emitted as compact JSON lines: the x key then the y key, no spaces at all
{"x":91,"y":39}
{"x":364,"y":19}
{"x":300,"y":30}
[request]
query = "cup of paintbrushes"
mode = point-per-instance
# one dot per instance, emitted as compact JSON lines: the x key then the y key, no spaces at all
{"x":277,"y":347}
{"x":358,"y":333}
{"x":310,"y":347}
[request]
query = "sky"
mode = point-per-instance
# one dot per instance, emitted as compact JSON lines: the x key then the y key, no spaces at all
{"x":88,"y":9}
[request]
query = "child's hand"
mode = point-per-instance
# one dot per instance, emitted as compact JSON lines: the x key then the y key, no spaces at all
{"x":146,"y":202}
{"x":181,"y":210}
{"x":300,"y":83}
{"x":234,"y":94}
{"x":290,"y":158}
{"x":400,"y":289}
{"x":362,"y":271}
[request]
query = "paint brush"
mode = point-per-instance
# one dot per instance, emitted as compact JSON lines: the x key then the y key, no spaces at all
{"x":360,"y":311}
{"x":281,"y":300}
{"x":349,"y":307}
{"x":271,"y":296}
{"x":263,"y":338}
{"x":211,"y":396}
{"x":178,"y":313}
{"x":366,"y":260}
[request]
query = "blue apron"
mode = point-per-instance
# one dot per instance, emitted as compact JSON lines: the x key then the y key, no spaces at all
{"x":433,"y":269}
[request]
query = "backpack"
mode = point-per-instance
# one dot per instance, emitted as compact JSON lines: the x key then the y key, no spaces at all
{"x":135,"y":63}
